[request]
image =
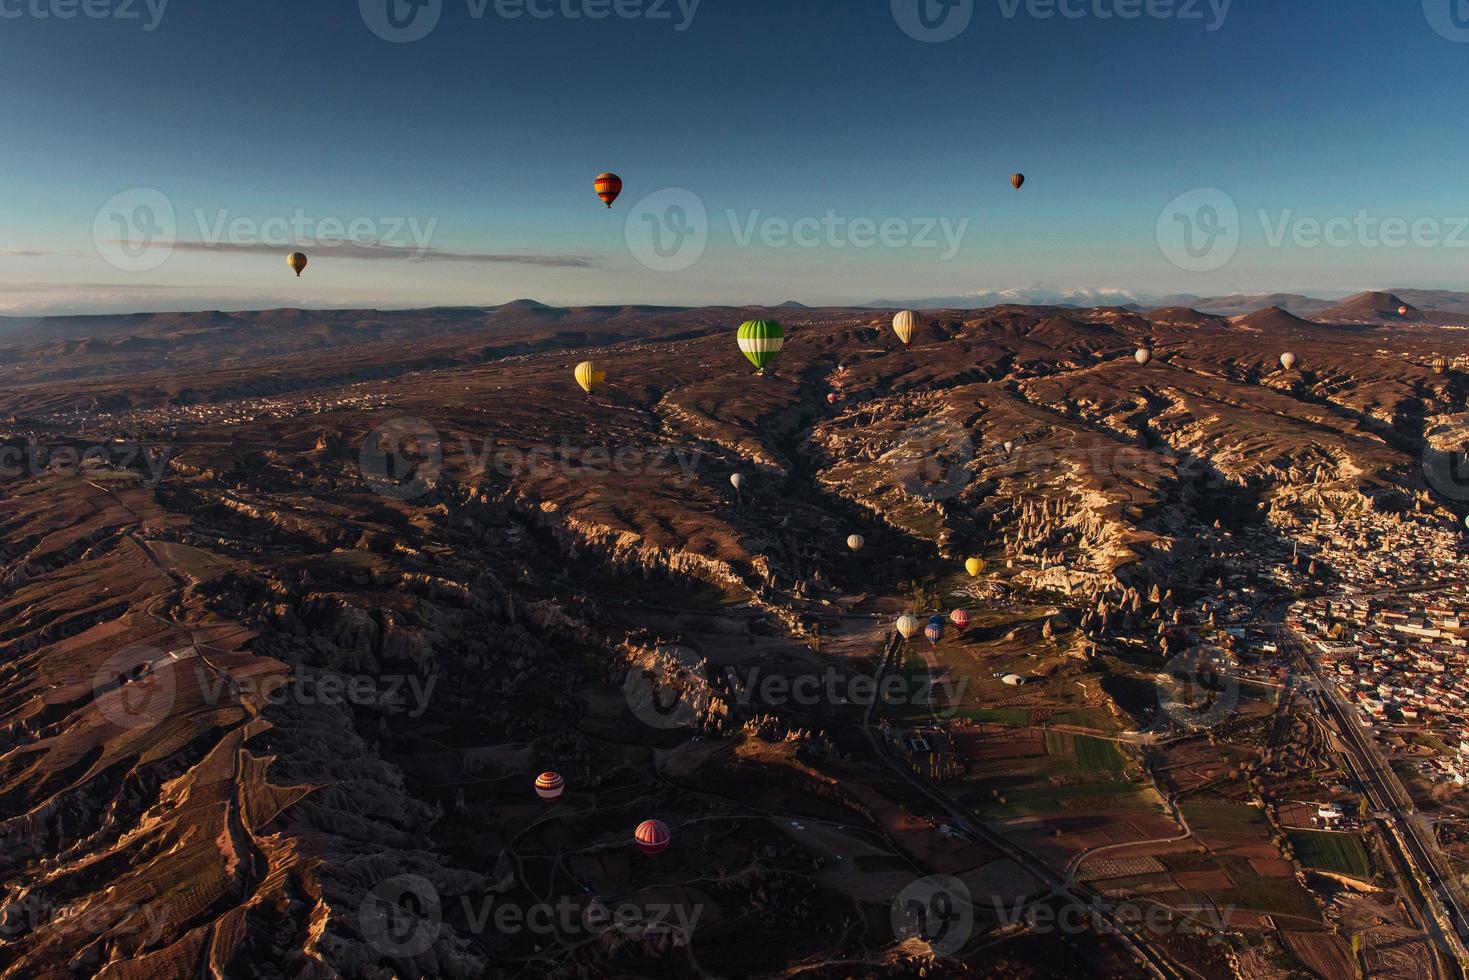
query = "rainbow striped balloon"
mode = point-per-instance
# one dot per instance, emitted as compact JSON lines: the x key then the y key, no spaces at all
{"x":761,"y":340}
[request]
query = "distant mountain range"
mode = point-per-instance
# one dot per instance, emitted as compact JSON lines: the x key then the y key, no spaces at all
{"x":1363,"y":305}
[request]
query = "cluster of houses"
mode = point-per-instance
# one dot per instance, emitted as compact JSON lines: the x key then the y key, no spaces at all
{"x":1394,"y":634}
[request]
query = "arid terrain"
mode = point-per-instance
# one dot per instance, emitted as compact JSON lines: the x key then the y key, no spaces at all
{"x":295,"y":606}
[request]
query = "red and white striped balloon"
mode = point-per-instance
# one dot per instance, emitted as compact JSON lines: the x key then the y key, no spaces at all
{"x":653,"y":837}
{"x":550,"y":786}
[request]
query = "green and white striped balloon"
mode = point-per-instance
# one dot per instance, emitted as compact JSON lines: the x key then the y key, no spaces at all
{"x":761,"y":340}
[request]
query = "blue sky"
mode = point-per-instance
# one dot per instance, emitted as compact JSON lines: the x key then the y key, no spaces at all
{"x":464,"y":160}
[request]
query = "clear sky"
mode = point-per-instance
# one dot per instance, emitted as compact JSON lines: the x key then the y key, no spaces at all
{"x":461,"y":163}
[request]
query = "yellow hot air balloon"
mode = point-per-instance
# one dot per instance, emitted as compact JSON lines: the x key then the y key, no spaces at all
{"x":906,"y":325}
{"x":590,"y":377}
{"x":297,"y":262}
{"x":975,"y":567}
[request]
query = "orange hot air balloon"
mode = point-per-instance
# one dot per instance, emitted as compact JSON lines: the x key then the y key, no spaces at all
{"x":1017,"y":181}
{"x":1403,"y":311}
{"x":609,"y":186}
{"x":297,"y":261}
{"x":550,"y":786}
{"x":653,"y":837}
{"x":960,"y":618}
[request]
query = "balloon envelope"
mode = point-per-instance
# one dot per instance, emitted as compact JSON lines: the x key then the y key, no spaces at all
{"x":831,"y":399}
{"x":590,"y":376}
{"x":1289,"y":361}
{"x":974,"y":567}
{"x":652,"y":836}
{"x":550,"y":786}
{"x":737,"y":481}
{"x":1017,"y":181}
{"x":908,"y":626}
{"x":761,"y":341}
{"x":856,"y":542}
{"x":960,"y":618}
{"x":609,"y":186}
{"x":1144,"y":356}
{"x":934,"y":633}
{"x":906,"y":325}
{"x":297,"y":261}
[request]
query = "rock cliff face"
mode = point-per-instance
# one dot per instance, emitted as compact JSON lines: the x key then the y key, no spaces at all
{"x":264,"y":716}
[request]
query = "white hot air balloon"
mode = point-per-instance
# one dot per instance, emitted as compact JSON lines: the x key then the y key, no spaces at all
{"x":737,"y":481}
{"x":1144,"y":356}
{"x":1009,"y":447}
{"x":909,"y":626}
{"x":906,"y":326}
{"x":855,"y":542}
{"x":1289,"y":361}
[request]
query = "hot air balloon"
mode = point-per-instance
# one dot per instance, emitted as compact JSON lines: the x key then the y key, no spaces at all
{"x":934,"y":633}
{"x":550,"y":786}
{"x":975,"y":567}
{"x":832,"y":399}
{"x":960,"y":618}
{"x":1009,"y":447}
{"x":653,"y":837}
{"x":1144,"y":356}
{"x":1289,"y":361}
{"x":906,"y":325}
{"x":609,"y":186}
{"x":856,"y":542}
{"x":1017,"y":181}
{"x":1403,"y":311}
{"x":737,"y":481}
{"x":908,"y":626}
{"x":761,"y":340}
{"x":297,"y":261}
{"x":590,"y":377}
{"x":1440,"y":365}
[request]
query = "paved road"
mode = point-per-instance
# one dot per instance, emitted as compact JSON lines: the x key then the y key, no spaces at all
{"x":1427,"y":880}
